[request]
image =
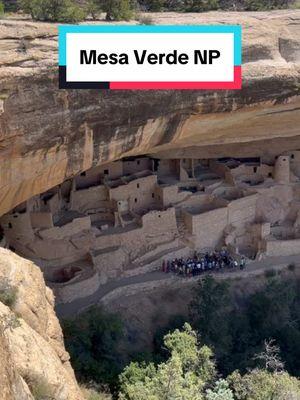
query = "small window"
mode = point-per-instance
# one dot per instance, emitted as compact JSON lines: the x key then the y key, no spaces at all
{"x":284,"y":159}
{"x":135,"y":200}
{"x":106,"y":172}
{"x":10,"y":225}
{"x":83,"y":174}
{"x":153,"y":195}
{"x":255,"y":170}
{"x":15,"y":216}
{"x":159,"y":215}
{"x":138,"y":162}
{"x":270,"y":174}
{"x":292,"y":156}
{"x":138,"y":185}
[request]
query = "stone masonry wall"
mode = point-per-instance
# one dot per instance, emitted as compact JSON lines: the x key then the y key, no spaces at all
{"x":280,"y":248}
{"x":88,"y":199}
{"x":208,"y":227}
{"x":140,"y":193}
{"x":41,"y":220}
{"x":76,"y":226}
{"x":242,"y":210}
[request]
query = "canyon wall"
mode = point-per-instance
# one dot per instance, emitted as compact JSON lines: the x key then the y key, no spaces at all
{"x":48,"y":135}
{"x":31,"y":341}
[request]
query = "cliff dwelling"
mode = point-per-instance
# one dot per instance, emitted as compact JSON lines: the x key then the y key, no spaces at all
{"x":124,"y":218}
{"x":116,"y":195}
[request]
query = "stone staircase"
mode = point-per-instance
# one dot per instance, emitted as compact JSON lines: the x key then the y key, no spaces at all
{"x":154,"y":250}
{"x":185,"y":237}
{"x":152,"y":261}
{"x":182,"y":229}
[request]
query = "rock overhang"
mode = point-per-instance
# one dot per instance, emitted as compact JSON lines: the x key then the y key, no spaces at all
{"x":48,"y":135}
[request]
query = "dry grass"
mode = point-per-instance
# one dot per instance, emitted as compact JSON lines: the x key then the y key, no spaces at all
{"x":93,"y":394}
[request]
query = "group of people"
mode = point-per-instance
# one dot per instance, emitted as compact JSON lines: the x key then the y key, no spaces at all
{"x":200,"y":263}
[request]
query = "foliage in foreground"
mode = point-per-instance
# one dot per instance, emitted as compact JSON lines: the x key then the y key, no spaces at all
{"x":263,"y":385}
{"x":190,"y":374}
{"x":183,"y":376}
{"x":208,"y":5}
{"x":8,"y":293}
{"x":117,"y":10}
{"x":236,"y":333}
{"x":71,"y":11}
{"x":53,"y":10}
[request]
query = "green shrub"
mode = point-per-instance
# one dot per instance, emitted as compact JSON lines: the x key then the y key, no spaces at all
{"x":156,"y":5}
{"x":118,"y":10}
{"x":201,"y":5}
{"x":254,"y":5}
{"x":270,"y":273}
{"x":8,"y":293}
{"x":1,"y":8}
{"x":207,"y":5}
{"x":261,"y":384}
{"x":9,"y":321}
{"x":71,"y":13}
{"x":93,"y":8}
{"x":10,"y":5}
{"x":259,"y":5}
{"x":188,"y":369}
{"x":221,"y":391}
{"x":53,"y":10}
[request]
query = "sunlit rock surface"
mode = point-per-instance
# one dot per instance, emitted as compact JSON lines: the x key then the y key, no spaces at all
{"x":48,"y":135}
{"x":32,"y":349}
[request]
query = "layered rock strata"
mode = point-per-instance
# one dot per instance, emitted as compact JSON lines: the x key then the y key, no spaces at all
{"x":48,"y":135}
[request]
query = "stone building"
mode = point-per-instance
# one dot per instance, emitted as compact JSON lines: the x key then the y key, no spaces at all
{"x":124,"y":218}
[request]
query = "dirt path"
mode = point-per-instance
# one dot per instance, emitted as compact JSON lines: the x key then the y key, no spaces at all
{"x":253,"y":268}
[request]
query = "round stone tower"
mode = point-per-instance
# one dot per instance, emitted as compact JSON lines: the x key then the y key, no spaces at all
{"x":282,"y":169}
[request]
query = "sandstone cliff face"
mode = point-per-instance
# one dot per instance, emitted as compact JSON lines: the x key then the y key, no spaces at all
{"x":48,"y":135}
{"x":11,"y":384}
{"x":31,"y":343}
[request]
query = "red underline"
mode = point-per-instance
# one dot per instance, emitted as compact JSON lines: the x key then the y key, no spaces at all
{"x":235,"y":85}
